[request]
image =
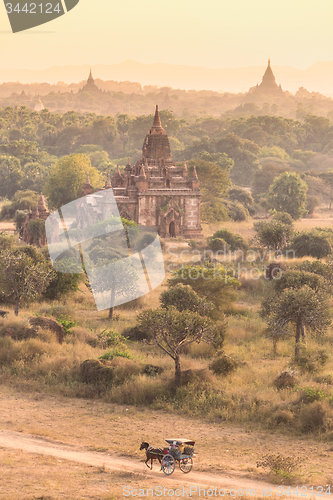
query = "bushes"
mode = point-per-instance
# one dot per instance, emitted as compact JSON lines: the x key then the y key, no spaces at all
{"x":311,"y":394}
{"x":114,"y":353}
{"x":223,"y":365}
{"x":25,"y":351}
{"x":285,"y":380}
{"x":313,"y":243}
{"x":234,"y":241}
{"x":16,"y":330}
{"x":217,"y":244}
{"x":310,"y":360}
{"x":102,"y":371}
{"x":279,"y":464}
{"x":312,"y":418}
{"x":108,"y":338}
{"x":236,"y":211}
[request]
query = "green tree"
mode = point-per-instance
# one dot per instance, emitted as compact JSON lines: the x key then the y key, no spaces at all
{"x":314,"y":243}
{"x":328,"y":178}
{"x":183,"y":298}
{"x":215,"y":283}
{"x":242,"y":196}
{"x":323,"y":269}
{"x":19,"y":219}
{"x":273,"y":234}
{"x":36,"y":229}
{"x":67,"y":178}
{"x":123,"y":126}
{"x":214,"y":182}
{"x":288,"y":194}
{"x":22,"y":200}
{"x":310,"y":275}
{"x":264,"y":177}
{"x":24,"y":275}
{"x":235,"y":241}
{"x":10,"y":175}
{"x":172,"y":331}
{"x":301,"y":308}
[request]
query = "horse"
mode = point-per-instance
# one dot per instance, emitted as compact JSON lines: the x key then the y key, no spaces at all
{"x":151,"y":453}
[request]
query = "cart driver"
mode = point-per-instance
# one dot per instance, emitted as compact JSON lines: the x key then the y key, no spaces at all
{"x":173,"y":446}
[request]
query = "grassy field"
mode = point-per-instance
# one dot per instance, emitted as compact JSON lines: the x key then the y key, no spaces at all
{"x":240,"y":416}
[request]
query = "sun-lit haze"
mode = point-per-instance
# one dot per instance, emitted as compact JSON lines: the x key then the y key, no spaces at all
{"x":213,"y":34}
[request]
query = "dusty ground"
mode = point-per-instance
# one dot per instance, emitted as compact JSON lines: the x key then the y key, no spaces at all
{"x":105,"y":462}
{"x":69,"y":444}
{"x":8,"y":227}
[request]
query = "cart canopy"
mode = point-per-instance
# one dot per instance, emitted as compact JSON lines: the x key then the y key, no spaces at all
{"x":180,"y":441}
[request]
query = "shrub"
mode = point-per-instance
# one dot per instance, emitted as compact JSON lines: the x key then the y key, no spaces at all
{"x":286,"y":380}
{"x":93,"y":371}
{"x":311,"y":394}
{"x":16,"y":330}
{"x":135,"y":333}
{"x":279,"y":464}
{"x":283,"y":217}
{"x":109,"y":355}
{"x":109,"y":338}
{"x":283,"y":417}
{"x":312,"y":418}
{"x":311,"y":243}
{"x":310,"y":360}
{"x":152,"y":370}
{"x":6,"y":241}
{"x":106,"y":372}
{"x":273,"y":234}
{"x":223,"y":365}
{"x":236,"y":211}
{"x":25,"y":351}
{"x":217,"y":244}
{"x":67,"y":323}
{"x":235,"y":241}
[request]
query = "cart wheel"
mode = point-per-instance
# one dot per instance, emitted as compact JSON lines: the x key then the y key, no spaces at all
{"x":185,"y":465}
{"x":168,"y":464}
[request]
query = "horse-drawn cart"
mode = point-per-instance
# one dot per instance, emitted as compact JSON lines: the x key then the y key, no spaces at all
{"x":180,"y":450}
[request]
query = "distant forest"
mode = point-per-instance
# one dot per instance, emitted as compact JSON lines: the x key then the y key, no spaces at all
{"x":133,"y":99}
{"x":245,"y":152}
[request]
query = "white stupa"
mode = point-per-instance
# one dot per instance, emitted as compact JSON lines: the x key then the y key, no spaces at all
{"x":39,"y":105}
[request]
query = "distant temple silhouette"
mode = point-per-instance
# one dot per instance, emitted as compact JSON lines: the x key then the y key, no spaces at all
{"x":90,"y":86}
{"x":39,"y":105}
{"x":268,"y":84}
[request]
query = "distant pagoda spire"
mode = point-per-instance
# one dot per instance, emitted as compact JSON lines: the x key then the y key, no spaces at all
{"x":108,"y":182}
{"x":157,"y":120}
{"x":87,"y":187}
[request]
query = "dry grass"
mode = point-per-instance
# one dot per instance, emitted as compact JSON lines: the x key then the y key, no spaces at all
{"x":207,"y":408}
{"x":120,"y":429}
{"x":33,"y":476}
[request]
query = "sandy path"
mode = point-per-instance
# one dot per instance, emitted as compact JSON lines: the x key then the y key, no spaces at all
{"x":32,"y":444}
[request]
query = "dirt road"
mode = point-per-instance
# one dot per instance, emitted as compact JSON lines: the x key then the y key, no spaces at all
{"x":33,"y":444}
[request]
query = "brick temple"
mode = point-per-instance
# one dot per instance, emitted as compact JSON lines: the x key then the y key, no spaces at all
{"x":155,"y":192}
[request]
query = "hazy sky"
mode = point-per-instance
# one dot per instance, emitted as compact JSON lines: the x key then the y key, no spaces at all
{"x":210,"y":33}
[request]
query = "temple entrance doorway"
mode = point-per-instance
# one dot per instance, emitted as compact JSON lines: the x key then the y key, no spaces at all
{"x":172,"y":229}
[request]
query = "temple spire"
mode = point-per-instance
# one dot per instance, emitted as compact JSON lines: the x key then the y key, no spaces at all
{"x":194,"y":173}
{"x":157,"y":121}
{"x":108,"y":184}
{"x":142,"y":173}
{"x":87,"y":180}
